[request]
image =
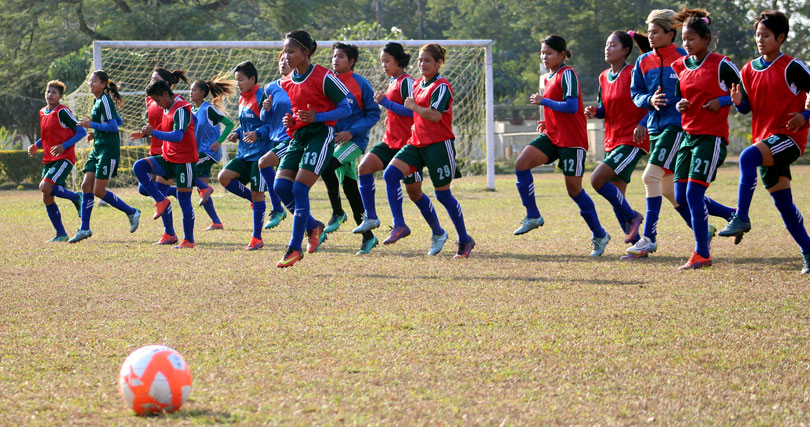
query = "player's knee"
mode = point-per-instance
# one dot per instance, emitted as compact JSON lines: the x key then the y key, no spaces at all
{"x":392,"y":174}
{"x":223,"y":178}
{"x":45,"y":187}
{"x":100,"y":192}
{"x":300,"y":189}
{"x":651,"y":176}
{"x":751,"y":156}
{"x":414,"y":193}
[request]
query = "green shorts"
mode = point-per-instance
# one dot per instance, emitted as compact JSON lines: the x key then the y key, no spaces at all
{"x":439,"y":158}
{"x":664,"y":147}
{"x":386,"y":154}
{"x":204,"y":165}
{"x":623,"y":160}
{"x":347,"y":154}
{"x":572,"y":159}
{"x":311,"y":149}
{"x":785,"y":151}
{"x":103,"y":162}
{"x":248,"y":172}
{"x":183,"y":174}
{"x":281,"y":148}
{"x":699,"y":156}
{"x":56,"y":172}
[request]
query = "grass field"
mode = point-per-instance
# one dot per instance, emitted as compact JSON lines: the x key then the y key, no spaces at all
{"x":529,"y":330}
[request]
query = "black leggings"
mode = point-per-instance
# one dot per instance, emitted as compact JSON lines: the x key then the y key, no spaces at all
{"x":351,"y":191}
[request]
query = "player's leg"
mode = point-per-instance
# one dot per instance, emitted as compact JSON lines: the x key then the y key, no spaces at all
{"x":257,"y":188}
{"x":440,"y":161}
{"x":376,"y":160}
{"x":186,"y":177}
{"x":234,"y":176}
{"x":622,"y":160}
{"x":266,"y":164}
{"x":533,"y":155}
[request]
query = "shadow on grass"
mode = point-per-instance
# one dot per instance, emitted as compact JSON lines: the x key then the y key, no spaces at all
{"x":199,"y":415}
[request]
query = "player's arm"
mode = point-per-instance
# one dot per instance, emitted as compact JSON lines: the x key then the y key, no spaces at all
{"x":729,"y":75}
{"x":440,"y":101}
{"x":266,"y":129}
{"x":218,"y":118}
{"x":597,"y":111}
{"x":69,"y":121}
{"x":638,"y":89}
{"x":570,"y":101}
{"x":109,"y":116}
{"x":371,"y":111}
{"x":405,"y":90}
{"x":336,"y":91}
{"x":798,"y":76}
{"x":181,"y":121}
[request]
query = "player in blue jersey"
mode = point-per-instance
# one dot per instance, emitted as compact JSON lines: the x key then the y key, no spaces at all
{"x":276,"y":105}
{"x":351,"y":140}
{"x":208,"y":117}
{"x":253,"y":137}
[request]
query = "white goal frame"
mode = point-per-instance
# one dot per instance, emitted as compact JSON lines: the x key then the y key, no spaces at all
{"x":488,"y":82}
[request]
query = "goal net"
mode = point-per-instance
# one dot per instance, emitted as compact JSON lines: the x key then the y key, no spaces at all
{"x":130,"y":63}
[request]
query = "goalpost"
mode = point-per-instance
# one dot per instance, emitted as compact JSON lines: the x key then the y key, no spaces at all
{"x":130,"y":64}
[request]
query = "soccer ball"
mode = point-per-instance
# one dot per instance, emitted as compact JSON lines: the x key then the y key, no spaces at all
{"x":154,"y":379}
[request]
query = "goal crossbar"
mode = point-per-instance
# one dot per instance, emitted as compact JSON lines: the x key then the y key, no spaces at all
{"x":486,"y":44}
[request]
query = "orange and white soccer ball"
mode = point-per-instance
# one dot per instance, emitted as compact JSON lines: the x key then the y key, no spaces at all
{"x":154,"y":379}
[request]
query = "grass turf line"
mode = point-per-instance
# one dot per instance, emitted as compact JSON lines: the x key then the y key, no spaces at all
{"x":528,"y":330}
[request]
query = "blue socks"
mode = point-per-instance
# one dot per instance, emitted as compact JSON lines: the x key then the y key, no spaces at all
{"x":258,"y":218}
{"x":794,"y":222}
{"x":453,"y":208}
{"x":367,"y":190}
{"x":696,"y":199}
{"x":284,"y":189}
{"x":269,"y":176}
{"x":117,"y":203}
{"x":612,"y":194}
{"x":392,"y":177}
{"x":588,"y":212}
{"x":64,"y":193}
{"x":718,"y":209}
{"x":88,"y":199}
{"x":301,"y":217}
{"x":525,"y":187}
{"x":147,"y":186}
{"x":750,"y":159}
{"x":168,"y":221}
{"x":200,"y":184}
{"x":426,"y":207}
{"x":56,"y":219}
{"x":651,"y":218}
{"x":167,"y":189}
{"x":236,"y":187}
{"x":683,"y":204}
{"x":212,"y":213}
{"x":184,"y":197}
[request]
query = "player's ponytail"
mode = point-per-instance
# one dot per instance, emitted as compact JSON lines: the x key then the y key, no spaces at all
{"x":304,"y":40}
{"x":171,"y":77}
{"x":696,"y":20}
{"x":111,"y":88}
{"x":218,"y":87}
{"x":398,"y":53}
{"x":641,"y":40}
{"x":559,"y":44}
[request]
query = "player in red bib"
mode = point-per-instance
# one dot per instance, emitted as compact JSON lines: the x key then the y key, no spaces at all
{"x":59,"y":132}
{"x":178,"y":161}
{"x":563,"y":136}
{"x":774,"y":89}
{"x":431,"y":146}
{"x":398,"y":123}
{"x":318,"y":101}
{"x":704,"y":79}
{"x":626,"y":139}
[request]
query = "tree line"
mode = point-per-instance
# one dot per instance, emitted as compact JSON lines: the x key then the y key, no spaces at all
{"x":40,"y":40}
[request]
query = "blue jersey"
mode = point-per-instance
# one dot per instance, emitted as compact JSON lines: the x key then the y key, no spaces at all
{"x":654,"y":69}
{"x":207,"y":132}
{"x":365,"y":112}
{"x":281,"y":107}
{"x":250,"y":108}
